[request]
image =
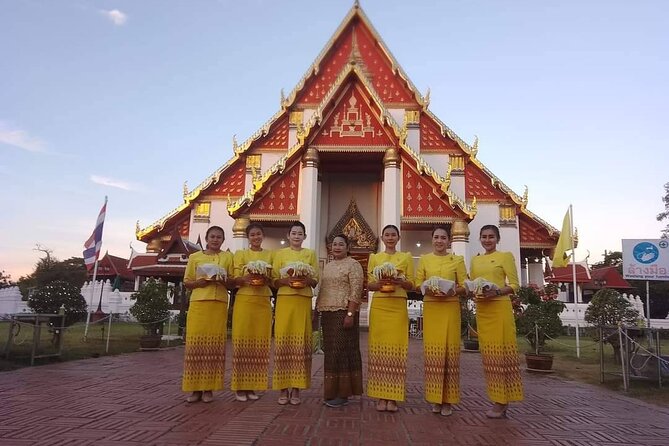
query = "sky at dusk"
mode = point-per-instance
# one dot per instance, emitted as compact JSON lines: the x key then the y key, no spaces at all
{"x":131,"y":98}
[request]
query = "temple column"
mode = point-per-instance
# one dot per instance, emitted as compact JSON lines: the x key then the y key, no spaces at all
{"x":391,"y":193}
{"x":460,"y":239}
{"x":239,"y":240}
{"x":309,"y":210}
{"x":456,"y":165}
{"x":535,"y":271}
{"x":509,"y":233}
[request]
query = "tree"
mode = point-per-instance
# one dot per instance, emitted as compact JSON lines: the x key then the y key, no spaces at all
{"x":611,"y":258}
{"x":664,"y":215}
{"x":49,"y":299}
{"x":49,"y":269}
{"x":5,"y":280}
{"x":608,"y":308}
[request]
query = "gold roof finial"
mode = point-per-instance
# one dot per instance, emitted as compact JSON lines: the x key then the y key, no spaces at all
{"x":356,"y":4}
{"x":137,"y":228}
{"x":426,"y":99}
{"x":448,"y":171}
{"x":235,"y":144}
{"x":228,"y":201}
{"x":475,"y":147}
{"x":185,"y":192}
{"x":283,"y":98}
{"x":525,"y":197}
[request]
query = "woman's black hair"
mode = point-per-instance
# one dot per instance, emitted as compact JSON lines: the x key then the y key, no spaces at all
{"x":214,"y":228}
{"x":493,"y":228}
{"x":444,"y":227}
{"x":254,"y":225}
{"x":297,"y":223}
{"x":389,"y":227}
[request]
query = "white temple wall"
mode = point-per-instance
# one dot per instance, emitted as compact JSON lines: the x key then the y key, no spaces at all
{"x":267,"y":160}
{"x":437,"y":161}
{"x":398,"y":116}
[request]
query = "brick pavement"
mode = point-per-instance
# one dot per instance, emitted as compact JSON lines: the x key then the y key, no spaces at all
{"x":135,"y":399}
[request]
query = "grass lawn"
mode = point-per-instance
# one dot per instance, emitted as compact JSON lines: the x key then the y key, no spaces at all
{"x":124,"y":339}
{"x":586,"y":368}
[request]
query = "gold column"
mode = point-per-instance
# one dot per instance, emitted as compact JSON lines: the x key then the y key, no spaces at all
{"x":391,"y":158}
{"x":460,"y":231}
{"x":239,"y":227}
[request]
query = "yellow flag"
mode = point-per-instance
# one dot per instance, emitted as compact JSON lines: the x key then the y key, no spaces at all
{"x":564,"y":244}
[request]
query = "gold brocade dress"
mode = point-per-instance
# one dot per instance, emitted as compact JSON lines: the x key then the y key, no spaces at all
{"x":206,"y":327}
{"x":251,"y":327}
{"x":388,"y":340}
{"x":497,"y":328}
{"x":292,"y":325}
{"x":441,"y":329}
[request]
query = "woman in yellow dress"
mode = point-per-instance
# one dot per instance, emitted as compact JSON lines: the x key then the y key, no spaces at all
{"x":251,"y":319}
{"x":389,"y":324}
{"x":207,"y":319}
{"x":441,"y":324}
{"x":292,"y":318}
{"x":495,"y":323}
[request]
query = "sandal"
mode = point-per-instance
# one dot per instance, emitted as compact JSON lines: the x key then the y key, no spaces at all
{"x":252,"y":396}
{"x":194,"y":397}
{"x":391,"y":406}
{"x":446,"y":410}
{"x":284,"y":398}
{"x":207,"y":396}
{"x":295,"y":400}
{"x":241,"y":396}
{"x":436,"y":408}
{"x":381,"y":405}
{"x":498,"y":411}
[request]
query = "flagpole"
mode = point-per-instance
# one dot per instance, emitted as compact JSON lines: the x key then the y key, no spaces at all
{"x":573,"y":275}
{"x":90,"y":301}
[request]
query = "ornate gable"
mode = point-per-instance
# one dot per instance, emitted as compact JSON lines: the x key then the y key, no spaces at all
{"x":421,"y":201}
{"x":480,"y":185}
{"x":230,"y":184}
{"x":356,"y":43}
{"x":432,"y":139}
{"x":280,"y":201}
{"x":354,"y":226}
{"x":352,"y":122}
{"x":277,"y":138}
{"x":533,"y":234}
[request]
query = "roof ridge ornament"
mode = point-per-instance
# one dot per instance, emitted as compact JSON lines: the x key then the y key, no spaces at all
{"x":475,"y":146}
{"x":185,"y":191}
{"x":524,"y":200}
{"x":426,"y":99}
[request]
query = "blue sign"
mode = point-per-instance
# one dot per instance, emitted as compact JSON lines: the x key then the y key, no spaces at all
{"x":645,"y":253}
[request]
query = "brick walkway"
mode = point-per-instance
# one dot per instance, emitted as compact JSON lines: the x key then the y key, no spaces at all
{"x":136,"y":400}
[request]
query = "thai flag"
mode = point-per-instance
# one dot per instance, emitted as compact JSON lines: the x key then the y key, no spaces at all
{"x":94,"y":242}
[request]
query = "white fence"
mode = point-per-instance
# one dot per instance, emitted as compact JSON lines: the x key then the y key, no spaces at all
{"x":112,"y":300}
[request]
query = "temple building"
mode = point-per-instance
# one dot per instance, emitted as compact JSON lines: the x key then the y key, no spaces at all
{"x":352,"y":148}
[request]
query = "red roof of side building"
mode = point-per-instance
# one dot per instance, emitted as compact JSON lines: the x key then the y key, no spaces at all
{"x":565,"y":274}
{"x":609,"y":277}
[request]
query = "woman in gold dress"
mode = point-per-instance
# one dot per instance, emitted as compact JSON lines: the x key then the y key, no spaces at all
{"x":251,"y":319}
{"x":495,"y":322}
{"x":338,"y":301}
{"x":389,"y":324}
{"x":207,"y":319}
{"x":441,"y":324}
{"x":292,"y":318}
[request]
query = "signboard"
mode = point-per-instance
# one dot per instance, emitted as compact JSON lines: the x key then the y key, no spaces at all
{"x":646,"y":259}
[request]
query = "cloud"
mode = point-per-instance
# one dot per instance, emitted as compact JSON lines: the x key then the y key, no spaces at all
{"x":20,"y":138}
{"x":112,"y":182}
{"x":117,"y":17}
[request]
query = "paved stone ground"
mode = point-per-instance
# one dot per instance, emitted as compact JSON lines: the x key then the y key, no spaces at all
{"x":136,"y":400}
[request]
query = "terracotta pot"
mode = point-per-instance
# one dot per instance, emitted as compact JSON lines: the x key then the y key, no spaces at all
{"x":471,"y":345}
{"x":541,"y":362}
{"x":150,"y":342}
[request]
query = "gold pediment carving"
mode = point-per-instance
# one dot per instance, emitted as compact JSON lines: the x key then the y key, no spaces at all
{"x":354,"y":226}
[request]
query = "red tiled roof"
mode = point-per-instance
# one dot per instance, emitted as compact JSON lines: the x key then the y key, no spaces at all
{"x":565,"y":274}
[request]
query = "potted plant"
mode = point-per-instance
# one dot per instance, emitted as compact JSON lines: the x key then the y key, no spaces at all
{"x":151,"y":309}
{"x":537,"y":312}
{"x":470,"y":343}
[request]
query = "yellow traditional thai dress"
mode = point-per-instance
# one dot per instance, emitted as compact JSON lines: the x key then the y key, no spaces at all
{"x":388,"y":332}
{"x":292,"y":324}
{"x":206,"y":327}
{"x":251,"y":327}
{"x":497,"y":328}
{"x":441,"y":329}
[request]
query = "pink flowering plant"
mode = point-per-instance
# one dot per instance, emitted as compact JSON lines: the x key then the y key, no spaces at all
{"x":537,"y":312}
